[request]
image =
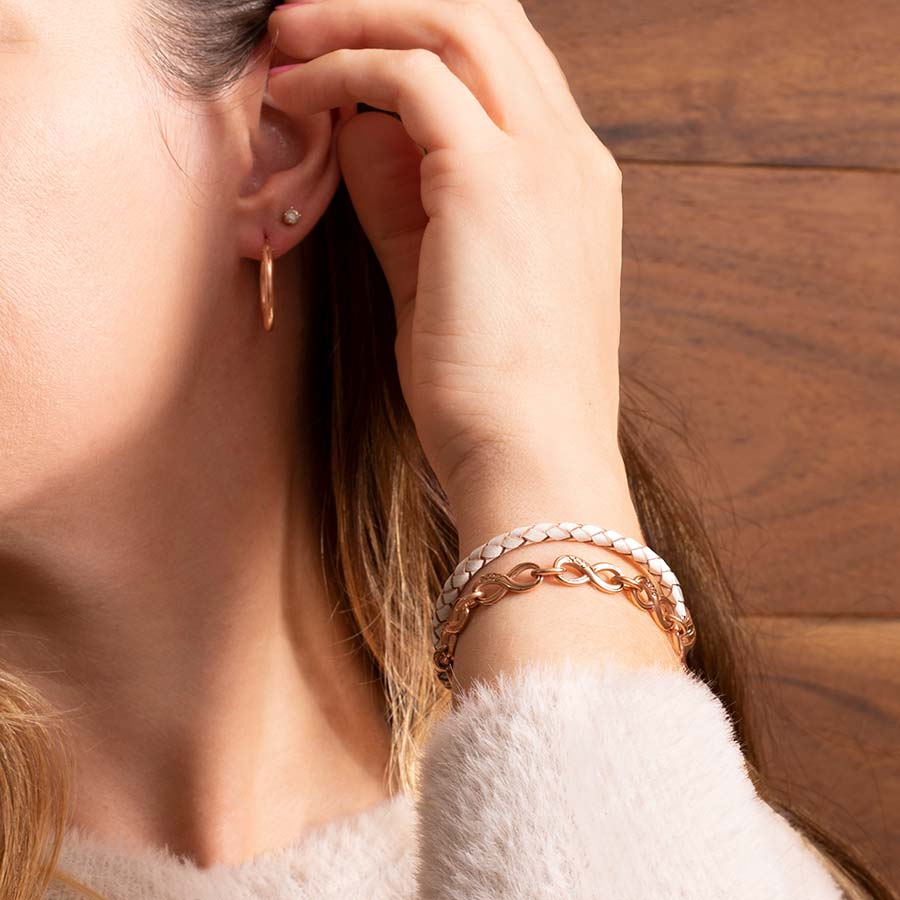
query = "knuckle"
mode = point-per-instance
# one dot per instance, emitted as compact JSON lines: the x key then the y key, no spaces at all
{"x":473,"y":17}
{"x":602,"y":163}
{"x":610,"y":168}
{"x":480,"y":11}
{"x":474,"y":8}
{"x":343,"y":56}
{"x":421,"y":59}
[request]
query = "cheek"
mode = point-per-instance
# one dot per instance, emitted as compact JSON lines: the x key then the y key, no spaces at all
{"x":97,"y":272}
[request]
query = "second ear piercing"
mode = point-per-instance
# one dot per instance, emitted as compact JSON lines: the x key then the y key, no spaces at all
{"x":290,"y":216}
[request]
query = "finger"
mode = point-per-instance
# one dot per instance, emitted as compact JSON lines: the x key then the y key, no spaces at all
{"x":467,"y":36}
{"x":380,"y":165}
{"x":436,"y":108}
{"x":547,"y":71}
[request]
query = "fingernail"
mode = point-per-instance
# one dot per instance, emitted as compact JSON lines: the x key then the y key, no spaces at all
{"x":277,"y":69}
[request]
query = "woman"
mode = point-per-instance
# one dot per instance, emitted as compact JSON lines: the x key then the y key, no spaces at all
{"x":229,"y":501}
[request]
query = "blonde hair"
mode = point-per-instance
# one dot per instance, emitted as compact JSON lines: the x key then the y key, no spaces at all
{"x":388,"y":539}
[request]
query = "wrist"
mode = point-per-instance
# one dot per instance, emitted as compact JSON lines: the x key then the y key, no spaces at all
{"x":551,"y":487}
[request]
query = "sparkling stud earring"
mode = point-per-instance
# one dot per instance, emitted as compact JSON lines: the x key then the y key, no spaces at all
{"x":266,"y":286}
{"x":290,"y":216}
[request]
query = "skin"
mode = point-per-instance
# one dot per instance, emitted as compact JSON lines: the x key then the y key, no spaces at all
{"x":153,"y":517}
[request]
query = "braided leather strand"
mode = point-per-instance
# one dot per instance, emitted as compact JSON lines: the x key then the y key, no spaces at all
{"x":554,"y":531}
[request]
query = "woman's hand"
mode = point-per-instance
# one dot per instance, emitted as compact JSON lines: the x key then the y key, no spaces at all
{"x":501,"y":245}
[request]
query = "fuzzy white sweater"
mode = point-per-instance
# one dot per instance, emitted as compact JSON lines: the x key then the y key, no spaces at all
{"x":554,"y":782}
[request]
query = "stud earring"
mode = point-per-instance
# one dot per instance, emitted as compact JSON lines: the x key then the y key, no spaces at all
{"x":266,"y":286}
{"x":290,"y":216}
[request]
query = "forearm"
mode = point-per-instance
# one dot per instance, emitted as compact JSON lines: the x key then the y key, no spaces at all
{"x":554,"y":620}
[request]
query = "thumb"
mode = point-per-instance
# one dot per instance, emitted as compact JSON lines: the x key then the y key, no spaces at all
{"x":380,"y":166}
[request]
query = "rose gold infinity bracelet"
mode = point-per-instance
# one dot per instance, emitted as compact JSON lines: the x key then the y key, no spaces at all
{"x":674,"y":619}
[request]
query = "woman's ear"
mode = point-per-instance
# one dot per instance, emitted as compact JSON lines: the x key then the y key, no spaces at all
{"x":292,"y":163}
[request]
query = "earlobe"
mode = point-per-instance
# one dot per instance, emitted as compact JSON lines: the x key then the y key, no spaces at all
{"x":293,"y":166}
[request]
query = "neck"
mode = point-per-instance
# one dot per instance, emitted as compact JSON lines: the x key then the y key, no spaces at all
{"x":169,"y":598}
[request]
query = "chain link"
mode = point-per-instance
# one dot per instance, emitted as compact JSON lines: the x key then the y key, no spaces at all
{"x":492,"y":586}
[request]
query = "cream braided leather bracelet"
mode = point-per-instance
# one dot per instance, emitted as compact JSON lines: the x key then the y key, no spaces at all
{"x":665,"y":601}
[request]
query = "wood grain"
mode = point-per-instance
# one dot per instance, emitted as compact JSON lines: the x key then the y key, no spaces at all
{"x":827,"y":704}
{"x":809,"y":83}
{"x":765,"y":302}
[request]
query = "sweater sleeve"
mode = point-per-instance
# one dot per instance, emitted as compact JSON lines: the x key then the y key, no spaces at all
{"x":558,"y":780}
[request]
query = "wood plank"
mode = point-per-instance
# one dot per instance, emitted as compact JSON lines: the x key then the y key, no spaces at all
{"x":765,"y":302}
{"x":826,"y":703}
{"x":812,"y":82}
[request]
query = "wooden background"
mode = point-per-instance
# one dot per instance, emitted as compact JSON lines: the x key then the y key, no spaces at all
{"x":760,"y":146}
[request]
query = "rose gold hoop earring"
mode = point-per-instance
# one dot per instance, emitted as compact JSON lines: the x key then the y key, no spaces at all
{"x":266,"y":286}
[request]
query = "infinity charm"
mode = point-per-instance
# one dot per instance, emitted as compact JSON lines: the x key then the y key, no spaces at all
{"x":590,"y":573}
